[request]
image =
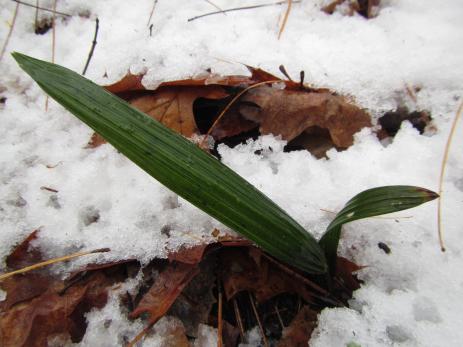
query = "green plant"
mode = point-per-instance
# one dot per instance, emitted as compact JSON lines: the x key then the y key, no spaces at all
{"x":203,"y":180}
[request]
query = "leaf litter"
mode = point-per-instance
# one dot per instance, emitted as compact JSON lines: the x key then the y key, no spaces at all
{"x":41,"y":307}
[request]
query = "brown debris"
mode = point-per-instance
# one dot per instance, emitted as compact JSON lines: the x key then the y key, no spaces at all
{"x":365,"y":8}
{"x":298,"y":333}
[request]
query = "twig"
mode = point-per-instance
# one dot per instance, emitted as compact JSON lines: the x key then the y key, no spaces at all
{"x":152,"y":11}
{"x":285,"y":18}
{"x":36,"y":22}
{"x":53,"y":40}
{"x":43,"y":8}
{"x":90,"y":54}
{"x":217,"y":7}
{"x":442,"y":174}
{"x":238,"y":319}
{"x":219,"y":316}
{"x":201,"y":145}
{"x":240,"y":8}
{"x":262,"y":332}
{"x":13,"y":21}
{"x":51,"y":261}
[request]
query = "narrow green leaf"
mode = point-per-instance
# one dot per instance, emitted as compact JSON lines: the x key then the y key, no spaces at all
{"x":369,"y":203}
{"x":180,"y":165}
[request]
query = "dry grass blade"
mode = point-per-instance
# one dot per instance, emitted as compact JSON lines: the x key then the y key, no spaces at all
{"x":442,"y":175}
{"x":51,"y":261}
{"x":152,"y":11}
{"x":43,"y":8}
{"x":285,"y":18}
{"x":53,"y":40}
{"x":244,"y":91}
{"x":13,"y":21}
{"x":239,"y":9}
{"x":238,"y":318}
{"x":259,"y":323}
{"x":219,"y":319}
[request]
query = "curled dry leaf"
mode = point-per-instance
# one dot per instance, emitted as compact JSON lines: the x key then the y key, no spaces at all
{"x":290,"y":112}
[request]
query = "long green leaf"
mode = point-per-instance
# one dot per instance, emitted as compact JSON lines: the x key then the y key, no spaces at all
{"x":180,"y":165}
{"x":369,"y":203}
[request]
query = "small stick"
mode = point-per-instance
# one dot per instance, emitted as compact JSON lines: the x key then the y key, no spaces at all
{"x":36,"y":23}
{"x":42,"y":8}
{"x":49,"y":189}
{"x":90,"y":54}
{"x":240,"y":8}
{"x":442,"y":175}
{"x":53,"y":40}
{"x":51,"y":261}
{"x":219,"y":316}
{"x":238,"y":319}
{"x":285,"y":18}
{"x":264,"y":338}
{"x":152,"y":11}
{"x":201,"y":145}
{"x":13,"y":21}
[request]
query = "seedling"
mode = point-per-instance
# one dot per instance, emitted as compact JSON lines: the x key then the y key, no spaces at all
{"x":203,"y":180}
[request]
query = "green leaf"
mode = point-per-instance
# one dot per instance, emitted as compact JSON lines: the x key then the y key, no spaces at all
{"x":369,"y":203}
{"x":180,"y":165}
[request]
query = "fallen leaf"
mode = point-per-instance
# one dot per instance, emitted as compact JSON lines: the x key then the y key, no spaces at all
{"x":298,"y":333}
{"x":40,"y":308}
{"x":289,"y":113}
{"x":24,"y":254}
{"x":345,"y":272}
{"x":165,"y":290}
{"x":191,"y":106}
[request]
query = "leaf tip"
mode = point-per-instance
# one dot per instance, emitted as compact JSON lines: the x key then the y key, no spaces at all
{"x":429,"y":194}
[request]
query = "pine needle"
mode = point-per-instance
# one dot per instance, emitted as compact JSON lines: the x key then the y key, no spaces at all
{"x":43,"y":8}
{"x":151,"y":13}
{"x":51,"y":261}
{"x":285,"y":18}
{"x":442,"y":175}
{"x":259,"y":323}
{"x":13,"y":21}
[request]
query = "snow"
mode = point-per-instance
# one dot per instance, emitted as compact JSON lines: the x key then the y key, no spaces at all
{"x":410,"y":297}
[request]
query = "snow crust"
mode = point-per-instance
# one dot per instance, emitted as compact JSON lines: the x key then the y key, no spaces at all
{"x":411,"y":297}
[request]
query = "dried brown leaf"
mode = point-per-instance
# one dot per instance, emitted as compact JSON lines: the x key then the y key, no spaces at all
{"x":24,"y":254}
{"x":166,"y":288}
{"x":289,"y":113}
